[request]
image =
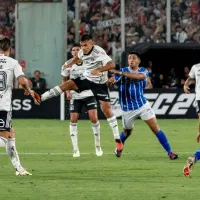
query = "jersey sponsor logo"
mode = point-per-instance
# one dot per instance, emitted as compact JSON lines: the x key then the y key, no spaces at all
{"x":3,"y":60}
{"x":166,"y":105}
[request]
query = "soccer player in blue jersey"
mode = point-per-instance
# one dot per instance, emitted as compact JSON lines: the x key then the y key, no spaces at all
{"x":131,"y":82}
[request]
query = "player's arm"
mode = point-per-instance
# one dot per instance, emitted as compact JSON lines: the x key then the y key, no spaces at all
{"x":186,"y":87}
{"x":138,"y":76}
{"x":24,"y":83}
{"x":74,"y":60}
{"x":109,"y":65}
{"x":189,"y":80}
{"x":19,"y":74}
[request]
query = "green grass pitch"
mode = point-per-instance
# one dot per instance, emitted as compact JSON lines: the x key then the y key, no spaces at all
{"x":144,"y":172}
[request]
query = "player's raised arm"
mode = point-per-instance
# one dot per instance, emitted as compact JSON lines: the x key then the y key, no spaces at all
{"x":71,"y":62}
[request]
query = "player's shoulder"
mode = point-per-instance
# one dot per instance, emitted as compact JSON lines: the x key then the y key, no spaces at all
{"x":10,"y":60}
{"x":98,"y":50}
{"x":142,"y":69}
{"x":196,"y":66}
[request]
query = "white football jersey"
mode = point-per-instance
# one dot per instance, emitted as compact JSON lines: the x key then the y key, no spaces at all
{"x":195,"y":74}
{"x":95,"y":59}
{"x":76,"y":71}
{"x":9,"y":68}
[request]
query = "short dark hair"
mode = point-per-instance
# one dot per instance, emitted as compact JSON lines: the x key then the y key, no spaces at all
{"x":5,"y":43}
{"x":37,"y":71}
{"x":76,"y":45}
{"x":86,"y":37}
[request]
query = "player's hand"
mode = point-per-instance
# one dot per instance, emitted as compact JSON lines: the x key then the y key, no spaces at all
{"x":114,"y":71}
{"x":26,"y":92}
{"x":186,"y":89}
{"x":112,"y":80}
{"x":36,"y":97}
{"x":198,"y":138}
{"x":95,"y":72}
{"x":67,"y":66}
{"x":69,"y":95}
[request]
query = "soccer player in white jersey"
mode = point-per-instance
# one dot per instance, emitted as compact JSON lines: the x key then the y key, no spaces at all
{"x":9,"y":68}
{"x":131,"y":82}
{"x":193,"y":75}
{"x":97,"y":64}
{"x":77,"y":102}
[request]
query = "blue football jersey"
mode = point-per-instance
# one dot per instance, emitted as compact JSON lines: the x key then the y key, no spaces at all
{"x":131,"y":92}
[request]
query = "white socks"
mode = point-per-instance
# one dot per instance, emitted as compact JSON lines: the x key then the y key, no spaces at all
{"x":3,"y":141}
{"x":96,"y":131}
{"x":114,"y":126}
{"x":74,"y":135}
{"x":12,"y":153}
{"x":56,"y":91}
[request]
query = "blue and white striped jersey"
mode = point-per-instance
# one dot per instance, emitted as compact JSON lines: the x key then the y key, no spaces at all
{"x":131,"y":92}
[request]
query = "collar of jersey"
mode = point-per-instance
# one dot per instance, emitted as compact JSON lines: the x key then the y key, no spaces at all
{"x":86,"y":54}
{"x":133,"y":70}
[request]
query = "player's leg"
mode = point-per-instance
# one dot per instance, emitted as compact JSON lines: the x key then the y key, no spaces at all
{"x":196,"y":156}
{"x":112,"y":120}
{"x":75,"y":108}
{"x":91,"y":105}
{"x":76,"y":84}
{"x":13,"y":154}
{"x":149,"y":117}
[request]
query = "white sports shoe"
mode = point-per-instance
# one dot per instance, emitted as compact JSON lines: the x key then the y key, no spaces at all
{"x":99,"y":151}
{"x":22,"y":172}
{"x":76,"y":153}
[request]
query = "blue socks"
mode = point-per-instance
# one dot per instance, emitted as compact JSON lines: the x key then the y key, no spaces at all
{"x":197,"y":155}
{"x":123,"y":137}
{"x":164,"y":142}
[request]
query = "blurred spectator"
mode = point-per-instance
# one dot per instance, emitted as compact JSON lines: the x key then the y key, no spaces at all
{"x":171,"y":80}
{"x":181,"y":35}
{"x":185,"y":76}
{"x":37,"y":81}
{"x":154,"y":79}
{"x":7,"y":21}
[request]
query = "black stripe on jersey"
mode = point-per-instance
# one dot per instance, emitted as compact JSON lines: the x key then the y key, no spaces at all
{"x":96,"y":51}
{"x":86,"y":54}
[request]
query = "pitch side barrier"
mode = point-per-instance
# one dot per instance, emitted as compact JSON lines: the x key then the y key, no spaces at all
{"x":166,"y":103}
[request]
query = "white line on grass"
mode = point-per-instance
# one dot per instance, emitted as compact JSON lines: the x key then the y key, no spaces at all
{"x":59,"y":153}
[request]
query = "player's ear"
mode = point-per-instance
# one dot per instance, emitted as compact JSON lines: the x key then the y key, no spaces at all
{"x":139,"y":60}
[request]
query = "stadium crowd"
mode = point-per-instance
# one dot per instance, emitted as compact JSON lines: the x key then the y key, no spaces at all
{"x":145,"y":22}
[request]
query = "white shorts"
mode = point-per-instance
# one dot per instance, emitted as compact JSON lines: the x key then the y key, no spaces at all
{"x":145,"y":113}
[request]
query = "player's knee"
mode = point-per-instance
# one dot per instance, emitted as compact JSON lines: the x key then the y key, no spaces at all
{"x":107,"y":112}
{"x":155,"y":129}
{"x":127,"y":132}
{"x":94,"y":120}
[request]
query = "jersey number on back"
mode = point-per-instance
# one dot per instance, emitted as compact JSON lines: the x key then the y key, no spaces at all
{"x":3,"y":81}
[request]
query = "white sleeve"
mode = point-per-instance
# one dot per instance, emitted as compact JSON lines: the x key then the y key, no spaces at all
{"x":192,"y":73}
{"x":18,"y":71}
{"x":80,"y":54}
{"x":103,"y":57}
{"x":65,"y":72}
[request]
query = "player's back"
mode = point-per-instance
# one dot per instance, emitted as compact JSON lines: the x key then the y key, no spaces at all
{"x":8,"y":70}
{"x":131,"y":92}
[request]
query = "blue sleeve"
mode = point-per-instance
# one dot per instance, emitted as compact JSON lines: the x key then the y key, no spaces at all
{"x":145,"y":71}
